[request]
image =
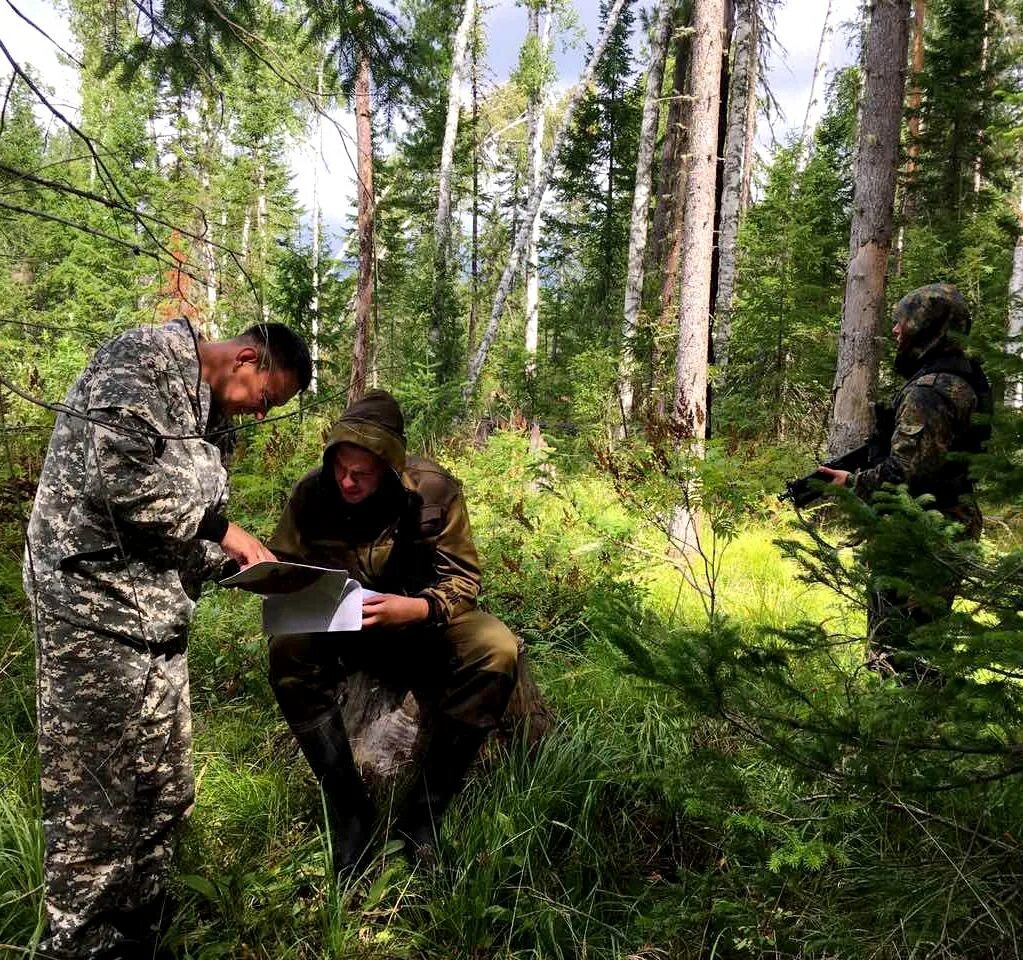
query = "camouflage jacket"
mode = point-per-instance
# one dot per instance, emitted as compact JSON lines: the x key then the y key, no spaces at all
{"x":112,"y":537}
{"x":424,"y":547}
{"x":933,"y":416}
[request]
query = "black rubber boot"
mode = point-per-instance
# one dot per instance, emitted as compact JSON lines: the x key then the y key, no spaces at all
{"x":452,"y":750}
{"x":350,"y":811}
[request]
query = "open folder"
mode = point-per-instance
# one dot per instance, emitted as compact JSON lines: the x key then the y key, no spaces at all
{"x":298,"y":598}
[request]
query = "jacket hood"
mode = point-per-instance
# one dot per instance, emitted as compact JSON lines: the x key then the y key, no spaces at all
{"x":374,"y":423}
{"x":928,"y":315}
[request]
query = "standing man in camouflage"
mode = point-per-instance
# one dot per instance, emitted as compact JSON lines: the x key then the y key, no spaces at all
{"x":934,"y":420}
{"x":399,"y":525}
{"x":128,"y":521}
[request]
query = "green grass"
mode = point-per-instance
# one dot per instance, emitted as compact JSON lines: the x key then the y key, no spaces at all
{"x":643,"y":827}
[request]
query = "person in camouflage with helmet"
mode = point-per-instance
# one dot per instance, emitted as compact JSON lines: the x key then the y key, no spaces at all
{"x":938,"y":415}
{"x":128,"y":521}
{"x":399,"y":525}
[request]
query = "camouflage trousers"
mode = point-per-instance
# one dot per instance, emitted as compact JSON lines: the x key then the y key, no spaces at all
{"x":115,"y":744}
{"x":466,"y":669}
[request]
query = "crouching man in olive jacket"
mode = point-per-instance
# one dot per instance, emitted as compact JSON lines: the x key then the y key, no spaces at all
{"x":398,"y":524}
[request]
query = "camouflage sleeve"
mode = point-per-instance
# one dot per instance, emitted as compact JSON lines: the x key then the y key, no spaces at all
{"x":160,"y":487}
{"x":456,"y":566}
{"x":925,"y":426}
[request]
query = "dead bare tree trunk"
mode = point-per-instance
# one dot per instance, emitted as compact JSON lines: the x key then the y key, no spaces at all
{"x":442,"y":224}
{"x":640,"y":205}
{"x":821,"y":64}
{"x":364,"y":288}
{"x":731,"y":191}
{"x":533,"y":207}
{"x":689,"y":413}
{"x":871,"y":235}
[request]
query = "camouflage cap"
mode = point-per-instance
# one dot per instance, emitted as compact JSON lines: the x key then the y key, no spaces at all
{"x":930,"y":312}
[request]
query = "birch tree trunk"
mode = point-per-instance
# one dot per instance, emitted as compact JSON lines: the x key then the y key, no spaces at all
{"x":1014,"y":386}
{"x":261,"y":233}
{"x":871,"y":234}
{"x":640,"y":205}
{"x":977,"y":162}
{"x":533,"y":208}
{"x":364,"y":188}
{"x":535,"y":122}
{"x":731,"y":191}
{"x":442,"y":224}
{"x":314,"y":303}
{"x":474,"y":279}
{"x":689,"y":413}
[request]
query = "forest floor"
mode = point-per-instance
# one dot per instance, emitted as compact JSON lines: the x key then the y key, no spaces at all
{"x":641,"y":828}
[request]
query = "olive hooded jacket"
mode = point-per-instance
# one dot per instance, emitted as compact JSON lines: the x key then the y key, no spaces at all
{"x":410,"y":537}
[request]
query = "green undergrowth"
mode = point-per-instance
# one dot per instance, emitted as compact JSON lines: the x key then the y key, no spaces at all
{"x":645,"y":825}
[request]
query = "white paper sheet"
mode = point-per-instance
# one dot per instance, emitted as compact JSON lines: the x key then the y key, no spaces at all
{"x":325,"y":601}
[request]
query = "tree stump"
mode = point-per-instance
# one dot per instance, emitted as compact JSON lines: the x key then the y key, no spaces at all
{"x":389,"y":729}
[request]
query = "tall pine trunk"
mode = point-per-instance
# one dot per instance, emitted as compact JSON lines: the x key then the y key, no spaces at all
{"x":533,"y":206}
{"x":731,"y":191}
{"x":871,"y":234}
{"x":442,"y":224}
{"x":689,"y":412}
{"x":640,"y":211}
{"x":364,"y":288}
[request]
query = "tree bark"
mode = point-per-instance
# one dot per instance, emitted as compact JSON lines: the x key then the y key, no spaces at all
{"x":262,"y":233}
{"x":731,"y":191}
{"x":640,"y":209}
{"x":314,"y":303}
{"x":470,"y":338}
{"x":389,"y":730}
{"x":1014,"y":385}
{"x":871,"y":234}
{"x":689,"y":401}
{"x":670,"y":152}
{"x":689,"y":413}
{"x":978,"y":161}
{"x":750,"y":125}
{"x":442,"y":224}
{"x":364,"y":288}
{"x":676,"y":211}
{"x":535,"y":122}
{"x":533,"y":207}
{"x":913,"y":103}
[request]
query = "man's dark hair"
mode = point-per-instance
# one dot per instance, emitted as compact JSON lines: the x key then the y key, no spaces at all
{"x":285,"y":349}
